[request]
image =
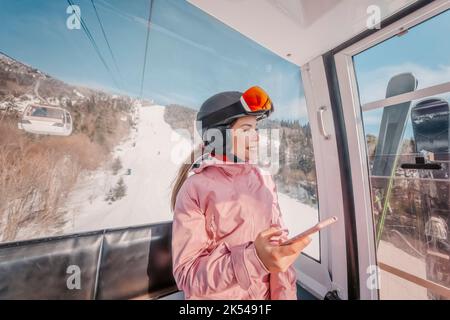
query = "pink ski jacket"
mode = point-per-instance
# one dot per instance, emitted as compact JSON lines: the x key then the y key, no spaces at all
{"x":219,"y":211}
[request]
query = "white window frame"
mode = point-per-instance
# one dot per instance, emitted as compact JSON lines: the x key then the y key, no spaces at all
{"x":330,"y":273}
{"x":352,"y":112}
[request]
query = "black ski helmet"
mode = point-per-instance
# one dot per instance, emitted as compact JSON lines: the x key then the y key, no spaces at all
{"x":221,"y":110}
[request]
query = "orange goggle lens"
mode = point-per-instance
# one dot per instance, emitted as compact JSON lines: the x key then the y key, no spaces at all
{"x":257,"y":100}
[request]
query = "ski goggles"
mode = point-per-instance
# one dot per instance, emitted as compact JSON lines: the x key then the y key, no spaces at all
{"x":256,"y":100}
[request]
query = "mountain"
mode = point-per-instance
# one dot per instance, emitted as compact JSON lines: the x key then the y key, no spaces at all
{"x":21,"y":85}
{"x":40,"y":171}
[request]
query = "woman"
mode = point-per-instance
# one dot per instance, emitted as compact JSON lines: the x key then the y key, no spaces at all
{"x":227,"y":222}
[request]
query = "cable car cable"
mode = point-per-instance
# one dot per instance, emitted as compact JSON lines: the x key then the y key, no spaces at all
{"x":146,"y":48}
{"x":107,"y":41}
{"x":94,"y":44}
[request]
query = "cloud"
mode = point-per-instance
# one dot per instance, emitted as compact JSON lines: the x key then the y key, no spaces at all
{"x":293,"y":110}
{"x":372,"y":85}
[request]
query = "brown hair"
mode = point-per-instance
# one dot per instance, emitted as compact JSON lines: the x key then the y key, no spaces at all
{"x":182,"y":175}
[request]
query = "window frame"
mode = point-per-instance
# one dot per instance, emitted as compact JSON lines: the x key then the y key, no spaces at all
{"x":320,"y":277}
{"x":352,"y":113}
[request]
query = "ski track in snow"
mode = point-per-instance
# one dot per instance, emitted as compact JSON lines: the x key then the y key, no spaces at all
{"x":147,"y":197}
{"x":148,"y":186}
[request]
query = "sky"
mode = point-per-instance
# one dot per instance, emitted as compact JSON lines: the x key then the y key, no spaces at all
{"x":191,"y":55}
{"x":424,"y":51}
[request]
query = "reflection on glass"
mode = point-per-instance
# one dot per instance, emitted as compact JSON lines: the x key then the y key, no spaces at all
{"x":411,"y":206}
{"x":409,"y":52}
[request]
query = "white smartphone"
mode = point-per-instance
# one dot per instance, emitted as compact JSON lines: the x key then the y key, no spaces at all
{"x":322,"y":224}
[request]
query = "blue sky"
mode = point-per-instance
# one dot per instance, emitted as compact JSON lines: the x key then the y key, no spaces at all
{"x":423,"y":51}
{"x":191,"y":55}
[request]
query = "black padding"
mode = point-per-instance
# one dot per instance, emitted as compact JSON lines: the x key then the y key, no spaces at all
{"x":127,"y":271}
{"x":40,"y":269}
{"x":159,"y":270}
{"x":113,"y":264}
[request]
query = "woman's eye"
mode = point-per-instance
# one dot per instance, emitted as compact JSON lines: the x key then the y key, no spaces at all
{"x":247,"y":130}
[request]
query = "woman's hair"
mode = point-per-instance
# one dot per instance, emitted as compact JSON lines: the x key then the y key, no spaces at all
{"x":183,"y":172}
{"x":182,"y":176}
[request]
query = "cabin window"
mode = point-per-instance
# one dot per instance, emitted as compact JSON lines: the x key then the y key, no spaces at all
{"x":408,"y":154}
{"x":422,"y":50}
{"x":130,"y":91}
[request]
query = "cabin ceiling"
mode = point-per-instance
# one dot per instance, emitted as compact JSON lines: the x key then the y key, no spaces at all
{"x":298,"y":30}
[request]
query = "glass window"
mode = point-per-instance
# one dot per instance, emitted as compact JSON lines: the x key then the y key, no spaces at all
{"x":408,"y":153}
{"x":423,"y":51}
{"x":410,"y":198}
{"x":128,"y":90}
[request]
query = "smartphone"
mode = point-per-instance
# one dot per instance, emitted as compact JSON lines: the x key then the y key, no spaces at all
{"x":322,"y":224}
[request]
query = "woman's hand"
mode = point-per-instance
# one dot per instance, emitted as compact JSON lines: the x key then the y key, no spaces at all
{"x":277,"y":258}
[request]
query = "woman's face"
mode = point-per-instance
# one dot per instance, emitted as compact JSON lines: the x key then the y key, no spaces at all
{"x":245,"y":138}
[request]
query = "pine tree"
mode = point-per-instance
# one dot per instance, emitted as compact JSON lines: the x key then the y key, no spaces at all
{"x":120,"y":190}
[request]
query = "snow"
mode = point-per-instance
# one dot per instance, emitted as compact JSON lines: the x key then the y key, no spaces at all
{"x":22,"y":102}
{"x":298,"y":217}
{"x":78,"y":93}
{"x":148,"y":186}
